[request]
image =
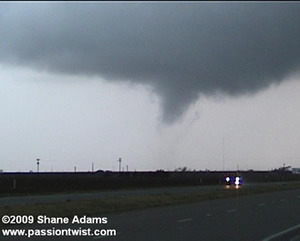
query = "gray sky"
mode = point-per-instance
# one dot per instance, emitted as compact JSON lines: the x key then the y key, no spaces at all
{"x":158,"y":84}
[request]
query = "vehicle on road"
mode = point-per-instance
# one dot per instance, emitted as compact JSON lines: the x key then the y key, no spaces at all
{"x":233,"y":180}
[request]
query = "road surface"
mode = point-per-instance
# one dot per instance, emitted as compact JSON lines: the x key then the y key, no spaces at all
{"x":265,"y":217}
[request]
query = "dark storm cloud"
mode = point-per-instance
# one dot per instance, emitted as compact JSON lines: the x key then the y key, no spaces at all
{"x":182,"y":50}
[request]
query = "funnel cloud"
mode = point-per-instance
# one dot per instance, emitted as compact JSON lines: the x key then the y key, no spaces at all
{"x":181,"y":50}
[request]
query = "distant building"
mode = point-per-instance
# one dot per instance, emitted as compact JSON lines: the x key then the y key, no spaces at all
{"x":296,"y":170}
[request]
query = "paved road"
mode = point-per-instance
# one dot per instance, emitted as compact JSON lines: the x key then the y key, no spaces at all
{"x":247,"y":218}
{"x":265,"y":217}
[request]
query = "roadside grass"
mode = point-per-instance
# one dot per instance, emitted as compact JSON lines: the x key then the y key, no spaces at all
{"x":102,"y":206}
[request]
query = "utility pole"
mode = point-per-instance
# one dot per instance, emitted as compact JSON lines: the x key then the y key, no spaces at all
{"x":223,"y":154}
{"x":120,"y":160}
{"x":92,"y":166}
{"x":38,"y":164}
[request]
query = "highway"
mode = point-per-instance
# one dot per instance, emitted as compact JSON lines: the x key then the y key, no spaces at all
{"x":257,"y":217}
{"x":265,"y":217}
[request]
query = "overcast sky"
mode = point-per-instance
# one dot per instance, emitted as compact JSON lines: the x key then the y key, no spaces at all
{"x":159,"y":84}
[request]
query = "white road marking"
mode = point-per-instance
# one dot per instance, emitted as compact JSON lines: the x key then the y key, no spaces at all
{"x":184,"y":220}
{"x":231,"y":211}
{"x":281,"y":233}
{"x":261,"y":204}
